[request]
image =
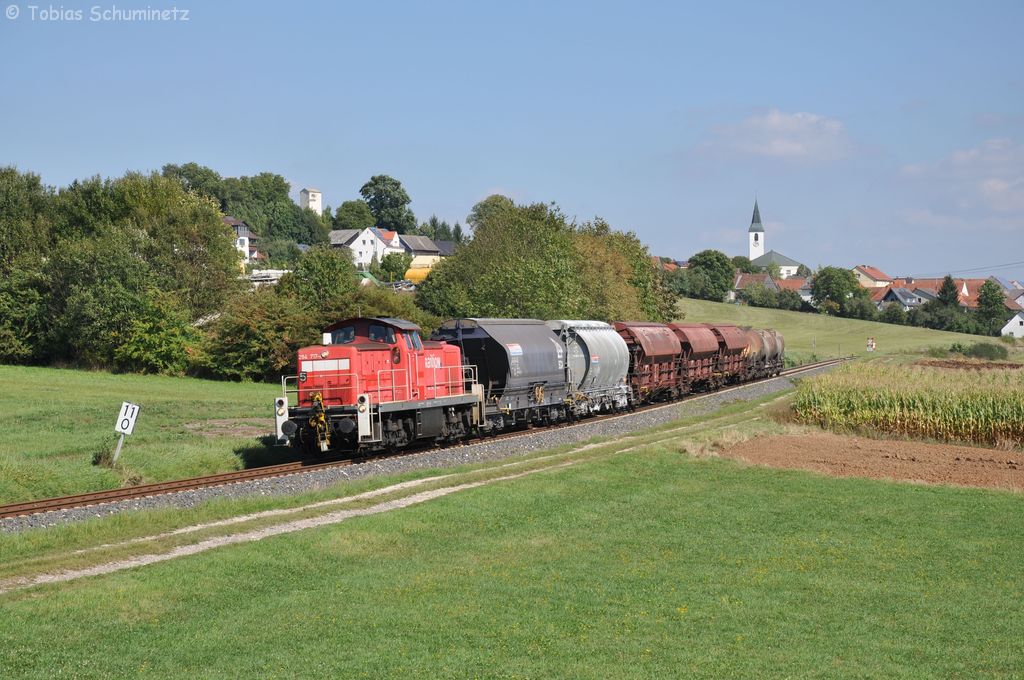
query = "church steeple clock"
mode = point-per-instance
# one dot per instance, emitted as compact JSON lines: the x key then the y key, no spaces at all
{"x":756,"y":235}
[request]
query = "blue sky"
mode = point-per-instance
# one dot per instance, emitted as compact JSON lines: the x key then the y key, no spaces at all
{"x":889,"y":134}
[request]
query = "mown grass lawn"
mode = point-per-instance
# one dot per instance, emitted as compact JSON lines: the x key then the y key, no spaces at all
{"x":824,"y":335}
{"x":55,"y":420}
{"x":650,"y":564}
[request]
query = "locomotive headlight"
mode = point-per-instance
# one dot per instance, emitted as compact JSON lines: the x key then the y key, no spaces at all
{"x":280,"y":411}
{"x":362,"y":408}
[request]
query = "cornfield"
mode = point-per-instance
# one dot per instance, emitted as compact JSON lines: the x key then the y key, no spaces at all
{"x":984,"y":407}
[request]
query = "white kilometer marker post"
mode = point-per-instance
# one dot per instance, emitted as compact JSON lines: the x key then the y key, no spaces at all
{"x":125,"y":425}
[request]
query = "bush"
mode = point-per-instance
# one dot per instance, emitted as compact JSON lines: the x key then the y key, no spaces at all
{"x":159,"y":340}
{"x":258,"y":335}
{"x":983,"y":350}
{"x":938,"y":352}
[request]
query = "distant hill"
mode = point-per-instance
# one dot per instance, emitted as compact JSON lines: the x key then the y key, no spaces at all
{"x":825,"y":335}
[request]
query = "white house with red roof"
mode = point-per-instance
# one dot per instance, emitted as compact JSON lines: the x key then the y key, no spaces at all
{"x":366,"y":244}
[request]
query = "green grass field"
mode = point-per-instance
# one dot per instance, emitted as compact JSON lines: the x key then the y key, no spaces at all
{"x":824,"y":335}
{"x":649,"y":564}
{"x":55,"y":420}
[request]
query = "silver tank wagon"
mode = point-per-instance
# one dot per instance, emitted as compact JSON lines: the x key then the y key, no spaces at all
{"x":597,"y":363}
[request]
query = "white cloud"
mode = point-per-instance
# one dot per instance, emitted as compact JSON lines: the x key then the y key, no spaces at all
{"x":789,"y":136}
{"x":988,"y":177}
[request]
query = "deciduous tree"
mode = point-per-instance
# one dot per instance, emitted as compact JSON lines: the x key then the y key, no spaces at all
{"x":710,"y":275}
{"x":389,"y":203}
{"x":831,"y":287}
{"x":353,"y":215}
{"x":992,"y":312}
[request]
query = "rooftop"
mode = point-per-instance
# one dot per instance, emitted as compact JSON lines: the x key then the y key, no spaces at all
{"x":755,"y":221}
{"x":342,"y":237}
{"x":873,"y":273}
{"x":418,"y":244}
{"x":744,"y":280}
{"x":794,"y":283}
{"x":773,"y":257}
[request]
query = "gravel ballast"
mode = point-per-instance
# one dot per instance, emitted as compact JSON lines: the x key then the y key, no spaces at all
{"x":476,"y":452}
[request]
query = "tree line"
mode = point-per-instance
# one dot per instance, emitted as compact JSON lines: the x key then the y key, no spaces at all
{"x":140,"y":273}
{"x":532,"y":261}
{"x":711,"y":274}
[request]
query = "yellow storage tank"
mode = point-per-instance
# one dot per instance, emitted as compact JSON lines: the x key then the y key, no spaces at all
{"x":417,"y":274}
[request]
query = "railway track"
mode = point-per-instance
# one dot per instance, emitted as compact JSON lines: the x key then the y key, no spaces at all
{"x":300,"y":467}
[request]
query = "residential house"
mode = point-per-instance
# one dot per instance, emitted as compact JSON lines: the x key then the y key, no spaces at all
{"x":1008,"y":284}
{"x":425,"y":254}
{"x":366,"y":244}
{"x":870,"y":277}
{"x":797,"y":284}
{"x":788,"y":267}
{"x":968,"y":292}
{"x":245,"y":239}
{"x":905,"y":298}
{"x":744,"y":280}
{"x":1015,"y":326}
{"x":446,"y":248}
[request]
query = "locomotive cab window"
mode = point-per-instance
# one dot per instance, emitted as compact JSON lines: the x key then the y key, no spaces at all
{"x":380,"y":333}
{"x":343,"y":336}
{"x":414,"y":338}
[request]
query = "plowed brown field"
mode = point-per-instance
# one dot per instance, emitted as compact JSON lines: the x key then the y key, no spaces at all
{"x":844,"y":456}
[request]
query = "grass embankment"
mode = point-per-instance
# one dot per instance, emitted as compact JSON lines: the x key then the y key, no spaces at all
{"x":56,"y":420}
{"x":976,"y":406}
{"x":644,"y":564}
{"x":639,"y":566}
{"x":826,"y":336}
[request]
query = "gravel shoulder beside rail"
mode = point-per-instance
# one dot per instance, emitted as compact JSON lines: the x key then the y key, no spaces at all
{"x":475,"y":452}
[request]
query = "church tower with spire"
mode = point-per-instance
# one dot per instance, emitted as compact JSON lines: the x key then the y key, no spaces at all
{"x":756,"y":235}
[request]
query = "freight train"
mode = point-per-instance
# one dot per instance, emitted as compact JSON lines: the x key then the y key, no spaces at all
{"x":376,"y":384}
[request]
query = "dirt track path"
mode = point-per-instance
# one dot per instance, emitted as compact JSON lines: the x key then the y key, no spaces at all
{"x":844,"y":456}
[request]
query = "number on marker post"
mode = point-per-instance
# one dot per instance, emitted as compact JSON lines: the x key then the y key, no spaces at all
{"x":126,"y":418}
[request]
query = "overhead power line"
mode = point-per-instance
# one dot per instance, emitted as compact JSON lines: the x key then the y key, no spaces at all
{"x":972,"y":270}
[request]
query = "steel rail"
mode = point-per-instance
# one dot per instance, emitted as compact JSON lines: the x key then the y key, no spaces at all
{"x":300,"y":467}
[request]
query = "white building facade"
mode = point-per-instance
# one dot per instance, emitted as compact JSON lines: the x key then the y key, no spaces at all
{"x":312,"y":199}
{"x":1015,"y":326}
{"x":366,"y":244}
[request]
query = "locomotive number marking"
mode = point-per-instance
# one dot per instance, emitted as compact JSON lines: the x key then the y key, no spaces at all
{"x":432,"y":362}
